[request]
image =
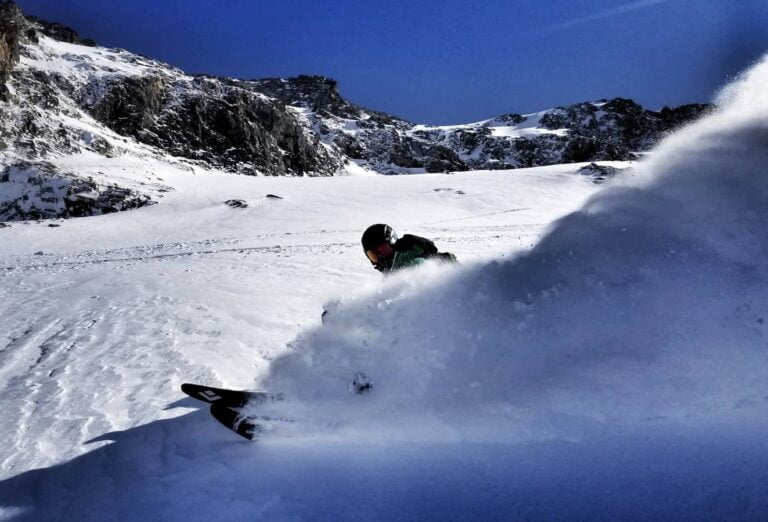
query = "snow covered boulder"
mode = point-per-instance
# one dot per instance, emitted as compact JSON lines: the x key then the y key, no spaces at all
{"x":12,"y":24}
{"x":40,"y":191}
{"x":598,"y":173}
{"x":236,"y":203}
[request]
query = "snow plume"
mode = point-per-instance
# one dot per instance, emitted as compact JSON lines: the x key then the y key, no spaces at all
{"x":645,"y":311}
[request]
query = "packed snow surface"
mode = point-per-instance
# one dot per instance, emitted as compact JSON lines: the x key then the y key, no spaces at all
{"x":612,"y":363}
{"x":103,"y":318}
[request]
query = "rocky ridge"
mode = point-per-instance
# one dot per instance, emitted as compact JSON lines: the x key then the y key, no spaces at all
{"x":12,"y":25}
{"x":62,"y":95}
{"x":609,"y":130}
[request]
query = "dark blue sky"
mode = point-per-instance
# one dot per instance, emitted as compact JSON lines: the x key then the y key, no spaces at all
{"x":447,"y":61}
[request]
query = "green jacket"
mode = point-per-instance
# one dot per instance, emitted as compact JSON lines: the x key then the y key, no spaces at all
{"x":411,"y":250}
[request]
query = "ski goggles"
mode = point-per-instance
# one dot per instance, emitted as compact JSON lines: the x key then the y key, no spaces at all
{"x":373,"y":256}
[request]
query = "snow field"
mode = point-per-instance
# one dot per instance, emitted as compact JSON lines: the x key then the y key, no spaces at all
{"x":114,"y":312}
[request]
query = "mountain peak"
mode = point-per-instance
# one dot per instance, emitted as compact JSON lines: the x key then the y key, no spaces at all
{"x":59,"y":32}
{"x":13,"y":19}
{"x":317,"y":93}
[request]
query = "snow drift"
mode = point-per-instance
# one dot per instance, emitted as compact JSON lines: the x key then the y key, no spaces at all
{"x":646,"y":308}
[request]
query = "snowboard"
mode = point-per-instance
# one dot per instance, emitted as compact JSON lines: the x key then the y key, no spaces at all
{"x":233,"y":419}
{"x":230,"y":398}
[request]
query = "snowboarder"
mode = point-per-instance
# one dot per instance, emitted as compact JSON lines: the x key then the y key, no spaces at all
{"x":387,"y":253}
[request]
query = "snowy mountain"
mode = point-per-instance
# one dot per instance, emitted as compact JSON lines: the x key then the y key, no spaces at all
{"x":62,"y":95}
{"x":604,"y":130}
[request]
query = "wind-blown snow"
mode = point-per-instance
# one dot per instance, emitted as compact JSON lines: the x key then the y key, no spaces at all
{"x":641,"y":316}
{"x":654,"y":285}
{"x":617,"y":368}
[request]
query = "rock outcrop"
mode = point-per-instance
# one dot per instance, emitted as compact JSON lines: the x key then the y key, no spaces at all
{"x":57,"y":32}
{"x":12,"y":27}
{"x":41,"y":191}
{"x":598,"y":173}
{"x":218,"y":123}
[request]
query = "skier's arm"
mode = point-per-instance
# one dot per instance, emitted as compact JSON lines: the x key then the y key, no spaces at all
{"x":430,"y":250}
{"x":424,"y":246}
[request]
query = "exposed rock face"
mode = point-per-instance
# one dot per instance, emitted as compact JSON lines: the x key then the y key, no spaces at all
{"x":40,"y":191}
{"x":611,"y":130}
{"x":128,"y":105}
{"x":317,"y":93}
{"x":605,"y":130}
{"x":12,"y":26}
{"x":219,"y":123}
{"x":375,"y":138}
{"x":321,"y":95}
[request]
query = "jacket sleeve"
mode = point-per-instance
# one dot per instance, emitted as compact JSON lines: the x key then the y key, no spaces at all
{"x":410,"y":242}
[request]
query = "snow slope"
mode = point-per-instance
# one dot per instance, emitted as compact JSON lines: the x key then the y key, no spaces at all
{"x":102,"y":318}
{"x":615,"y":367}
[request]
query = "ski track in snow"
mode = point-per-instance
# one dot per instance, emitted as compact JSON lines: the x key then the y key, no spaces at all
{"x":76,"y":368}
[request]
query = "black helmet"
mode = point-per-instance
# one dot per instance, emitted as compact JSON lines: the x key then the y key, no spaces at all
{"x":378,"y":234}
